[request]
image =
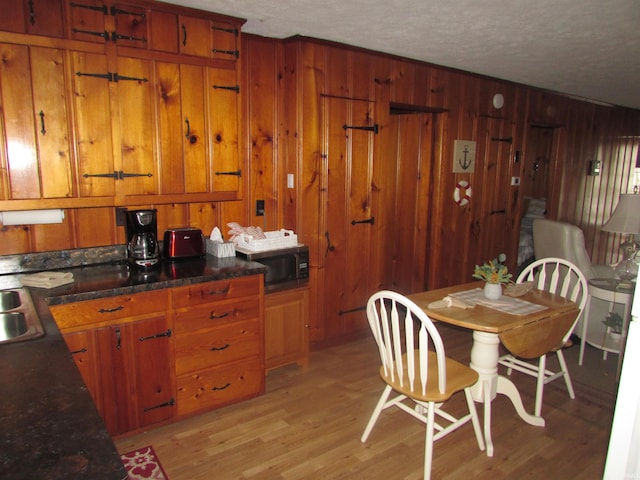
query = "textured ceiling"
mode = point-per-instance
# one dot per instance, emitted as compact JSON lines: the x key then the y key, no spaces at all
{"x":585,"y":48}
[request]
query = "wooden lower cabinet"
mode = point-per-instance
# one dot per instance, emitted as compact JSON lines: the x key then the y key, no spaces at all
{"x":209,"y":388}
{"x":154,"y":356}
{"x":219,"y":343}
{"x":127,"y":370}
{"x":286,"y":318}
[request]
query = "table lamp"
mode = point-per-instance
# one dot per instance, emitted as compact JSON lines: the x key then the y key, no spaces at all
{"x":626,"y":220}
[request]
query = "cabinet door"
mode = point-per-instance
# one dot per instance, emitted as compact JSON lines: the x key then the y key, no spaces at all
{"x":136,"y":374}
{"x":52,"y":122}
{"x":195,"y":36}
{"x":130,"y":25}
{"x":180,"y":100}
{"x":286,"y":328}
{"x":36,"y":126}
{"x":225,"y":41}
{"x":91,"y":103}
{"x":88,"y":21}
{"x":84,"y":352}
{"x":163,"y":28}
{"x":35,"y":17}
{"x":116,"y":378}
{"x":137,"y":126}
{"x":19,"y":124}
{"x":153,"y":377}
{"x":224,"y":97}
{"x":346,"y":215}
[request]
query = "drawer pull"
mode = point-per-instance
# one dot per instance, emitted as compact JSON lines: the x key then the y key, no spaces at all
{"x":82,"y":350}
{"x":157,"y":335}
{"x":217,"y":349}
{"x":224,"y":291}
{"x":110,"y":310}
{"x":170,"y":403}
{"x":213,"y":316}
{"x":221,"y":388}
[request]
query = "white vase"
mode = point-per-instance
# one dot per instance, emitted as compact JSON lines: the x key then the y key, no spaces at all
{"x":492,"y":291}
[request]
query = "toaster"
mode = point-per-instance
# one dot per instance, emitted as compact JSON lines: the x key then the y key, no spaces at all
{"x":183,"y":242}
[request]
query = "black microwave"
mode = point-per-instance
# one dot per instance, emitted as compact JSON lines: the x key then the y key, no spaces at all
{"x":285,"y":265}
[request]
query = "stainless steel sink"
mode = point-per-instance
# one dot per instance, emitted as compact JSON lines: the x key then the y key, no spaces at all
{"x":19,"y":320}
{"x":9,"y":299}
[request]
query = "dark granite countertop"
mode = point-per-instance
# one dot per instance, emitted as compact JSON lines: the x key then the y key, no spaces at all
{"x":49,"y":426}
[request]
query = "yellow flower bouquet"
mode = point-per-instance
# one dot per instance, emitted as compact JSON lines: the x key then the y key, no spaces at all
{"x":494,"y":271}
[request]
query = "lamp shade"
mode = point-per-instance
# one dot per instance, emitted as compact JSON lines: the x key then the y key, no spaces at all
{"x":626,"y":216}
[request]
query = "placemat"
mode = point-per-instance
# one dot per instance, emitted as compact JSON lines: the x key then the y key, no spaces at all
{"x":511,"y":305}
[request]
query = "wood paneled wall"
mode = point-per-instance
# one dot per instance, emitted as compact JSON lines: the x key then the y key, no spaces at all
{"x":279,"y":136}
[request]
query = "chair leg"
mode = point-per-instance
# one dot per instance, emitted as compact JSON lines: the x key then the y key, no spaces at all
{"x":475,"y":421}
{"x":376,"y":413}
{"x":428,"y":440}
{"x":565,"y":374}
{"x":542,"y":365}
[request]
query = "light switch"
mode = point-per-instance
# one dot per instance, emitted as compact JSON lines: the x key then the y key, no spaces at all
{"x":515,"y":181}
{"x":289,"y":180}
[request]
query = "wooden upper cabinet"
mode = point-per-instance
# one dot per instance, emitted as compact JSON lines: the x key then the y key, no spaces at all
{"x":137,"y":128}
{"x":225,"y":40}
{"x":163,"y":32}
{"x":195,"y":36}
{"x":183,"y":138}
{"x":88,"y":20}
{"x":122,"y":23}
{"x":94,"y":141}
{"x":130,"y":25}
{"x":34,"y":17}
{"x":144,"y":100}
{"x":224,"y":98}
{"x":37,"y":139}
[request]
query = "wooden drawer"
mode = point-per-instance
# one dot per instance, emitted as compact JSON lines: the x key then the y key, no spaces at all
{"x":216,"y":314}
{"x":216,"y":291}
{"x":108,"y":310}
{"x":207,"y":389}
{"x":216,"y":346}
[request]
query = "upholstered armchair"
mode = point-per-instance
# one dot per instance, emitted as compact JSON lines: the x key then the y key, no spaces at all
{"x":563,"y":240}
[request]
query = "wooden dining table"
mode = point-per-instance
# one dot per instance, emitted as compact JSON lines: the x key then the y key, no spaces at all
{"x":528,"y":335}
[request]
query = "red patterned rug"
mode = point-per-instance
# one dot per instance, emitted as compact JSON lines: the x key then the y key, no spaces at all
{"x":143,"y":464}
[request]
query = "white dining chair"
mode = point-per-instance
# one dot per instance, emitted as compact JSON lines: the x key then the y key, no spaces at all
{"x":425,"y":378}
{"x":560,"y":277}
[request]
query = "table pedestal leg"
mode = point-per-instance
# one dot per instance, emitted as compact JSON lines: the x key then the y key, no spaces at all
{"x":484,"y":360}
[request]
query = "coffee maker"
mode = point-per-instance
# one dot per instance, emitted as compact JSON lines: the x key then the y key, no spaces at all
{"x":142,"y":238}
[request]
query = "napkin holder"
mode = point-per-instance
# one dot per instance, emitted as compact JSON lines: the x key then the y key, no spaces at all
{"x":220,"y":249}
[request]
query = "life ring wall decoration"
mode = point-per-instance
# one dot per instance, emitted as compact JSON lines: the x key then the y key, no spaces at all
{"x":462,"y":193}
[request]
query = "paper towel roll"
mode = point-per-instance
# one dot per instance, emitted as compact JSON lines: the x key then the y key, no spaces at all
{"x":32,"y":217}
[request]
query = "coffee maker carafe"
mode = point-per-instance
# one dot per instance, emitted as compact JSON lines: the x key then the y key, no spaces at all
{"x":142,"y":238}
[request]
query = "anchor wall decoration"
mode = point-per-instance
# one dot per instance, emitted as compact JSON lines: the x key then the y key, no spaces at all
{"x":464,"y":156}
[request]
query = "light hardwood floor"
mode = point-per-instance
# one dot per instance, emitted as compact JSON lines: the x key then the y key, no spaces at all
{"x":309,"y":422}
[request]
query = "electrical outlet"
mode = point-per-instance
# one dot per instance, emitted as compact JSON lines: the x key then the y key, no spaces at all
{"x":259,"y":208}
{"x":121,"y":217}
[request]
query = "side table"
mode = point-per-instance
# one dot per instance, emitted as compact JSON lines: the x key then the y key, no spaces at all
{"x":615,"y":292}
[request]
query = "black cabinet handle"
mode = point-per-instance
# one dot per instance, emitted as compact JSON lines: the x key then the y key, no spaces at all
{"x":157,"y":335}
{"x":368,"y":220}
{"x":111,"y":310}
{"x":43,"y":130}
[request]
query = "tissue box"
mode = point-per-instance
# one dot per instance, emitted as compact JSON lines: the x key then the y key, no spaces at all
{"x":220,"y":249}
